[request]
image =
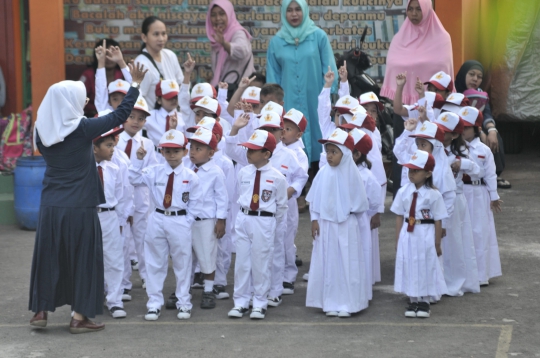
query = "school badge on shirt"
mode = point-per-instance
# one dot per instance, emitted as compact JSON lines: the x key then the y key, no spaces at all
{"x":185,"y":196}
{"x":266,"y":195}
{"x":426,"y":213}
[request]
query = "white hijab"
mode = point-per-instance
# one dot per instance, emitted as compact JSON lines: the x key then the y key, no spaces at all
{"x":338,"y":191}
{"x":60,"y":112}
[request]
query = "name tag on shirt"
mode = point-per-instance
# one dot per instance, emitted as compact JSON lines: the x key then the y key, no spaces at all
{"x":159,"y":184}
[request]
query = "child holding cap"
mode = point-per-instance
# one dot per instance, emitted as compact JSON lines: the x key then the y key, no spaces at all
{"x":263,"y":202}
{"x":419,"y":208}
{"x":174,"y":190}
{"x":111,"y":214}
{"x":459,"y":256}
{"x":482,"y":198}
{"x":337,"y":278}
{"x":212,"y":207}
{"x":129,"y":141}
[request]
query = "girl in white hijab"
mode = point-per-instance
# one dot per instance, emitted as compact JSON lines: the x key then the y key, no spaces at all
{"x":336,"y":283}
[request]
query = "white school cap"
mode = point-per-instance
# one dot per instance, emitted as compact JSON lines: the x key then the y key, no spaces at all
{"x":167,"y":89}
{"x":118,"y":86}
{"x":429,"y":130}
{"x":209,"y":104}
{"x":273,"y":107}
{"x":173,"y":139}
{"x":209,"y":123}
{"x":472,"y":117}
{"x":421,"y":160}
{"x":339,"y":136}
{"x":450,"y":121}
{"x":362,"y":141}
{"x":270,"y":120}
{"x":346,"y":103}
{"x":359,"y":120}
{"x":141,"y":105}
{"x":297,"y":118}
{"x":442,"y":81}
{"x":371,"y":97}
{"x":201,"y":90}
{"x":205,"y":136}
{"x":261,"y":139}
{"x":252,"y":95}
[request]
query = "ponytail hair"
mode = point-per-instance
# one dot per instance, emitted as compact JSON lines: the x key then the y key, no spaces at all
{"x":146,"y":27}
{"x":429,"y":183}
{"x":457,"y":145}
{"x":363,"y":160}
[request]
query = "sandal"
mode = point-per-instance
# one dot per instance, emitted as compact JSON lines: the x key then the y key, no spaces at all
{"x":503,"y":184}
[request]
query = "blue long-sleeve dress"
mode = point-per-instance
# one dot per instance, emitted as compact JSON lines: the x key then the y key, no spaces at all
{"x":67,"y":267}
{"x":300,"y":71}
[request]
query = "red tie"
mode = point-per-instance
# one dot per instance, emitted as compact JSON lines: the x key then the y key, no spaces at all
{"x":196,"y":169}
{"x":128,"y":148}
{"x":412,"y":213}
{"x":167,"y":199}
{"x":255,"y":198}
{"x":447,"y":152}
{"x":100,"y":172}
{"x":167,"y":123}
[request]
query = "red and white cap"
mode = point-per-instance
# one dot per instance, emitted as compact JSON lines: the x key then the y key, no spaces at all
{"x":450,"y":121}
{"x":472,"y":117}
{"x":439,"y":101}
{"x":362,"y":141}
{"x":261,"y":139}
{"x":201,"y":90}
{"x":442,"y":81}
{"x":167,"y":89}
{"x":458,"y":99}
{"x":114,"y":132}
{"x":118,"y":86}
{"x":346,"y":103}
{"x":273,"y":107}
{"x":429,"y":130}
{"x":371,"y":97}
{"x":209,"y":104}
{"x":270,"y":120}
{"x":252,"y":95}
{"x":359,"y":120}
{"x":173,"y":139}
{"x":209,"y":123}
{"x":421,"y":160}
{"x":141,"y":105}
{"x":339,"y":136}
{"x":205,"y":136}
{"x":297,"y":118}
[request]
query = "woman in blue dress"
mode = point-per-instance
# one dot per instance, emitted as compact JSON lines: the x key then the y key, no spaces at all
{"x":298,"y":57}
{"x":67,"y":267}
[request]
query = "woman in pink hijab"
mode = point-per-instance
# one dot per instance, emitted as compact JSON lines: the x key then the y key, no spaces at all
{"x":422,"y":47}
{"x":232,"y":58}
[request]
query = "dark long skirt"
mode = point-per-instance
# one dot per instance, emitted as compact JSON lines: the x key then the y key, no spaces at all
{"x":67,"y":268}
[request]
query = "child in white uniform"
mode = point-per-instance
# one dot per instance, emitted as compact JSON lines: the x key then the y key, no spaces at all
{"x":263,"y":202}
{"x":174,"y":190}
{"x":129,"y":142}
{"x":459,"y":256}
{"x":109,"y":213}
{"x":336,"y":283}
{"x":482,"y":198}
{"x":419,"y":208}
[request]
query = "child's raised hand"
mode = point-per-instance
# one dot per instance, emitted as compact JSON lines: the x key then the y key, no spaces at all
{"x":422,"y":114}
{"x":115,"y":54}
{"x":343,"y":72}
{"x":419,"y":88}
{"x":496,"y":206}
{"x":241,"y":121}
{"x":173,"y":120}
{"x":189,"y":65}
{"x":329,"y":78}
{"x":141,"y":152}
{"x":223,"y":85}
{"x":247,"y":107}
{"x":401,"y":79}
{"x":245,"y":82}
{"x":137,"y":71}
{"x":101,"y":54}
{"x":238,"y":106}
{"x":410,"y":124}
{"x":315,"y":230}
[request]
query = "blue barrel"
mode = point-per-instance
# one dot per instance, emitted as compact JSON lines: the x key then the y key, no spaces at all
{"x":28,"y":184}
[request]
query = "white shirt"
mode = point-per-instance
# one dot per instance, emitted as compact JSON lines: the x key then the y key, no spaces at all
{"x":122,"y":161}
{"x":101,"y":100}
{"x":298,"y":149}
{"x":186,"y":190}
{"x":112,"y":186}
{"x":483,"y":157}
{"x":156,"y":123}
{"x":283,"y":159}
{"x":214,"y":199}
{"x":429,"y":204}
{"x":184,"y":100}
{"x":468,"y":167}
{"x":170,"y":69}
{"x":272,"y":189}
{"x":373,"y":191}
{"x":150,"y":157}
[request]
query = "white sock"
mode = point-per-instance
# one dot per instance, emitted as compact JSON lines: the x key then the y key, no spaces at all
{"x":208,"y":285}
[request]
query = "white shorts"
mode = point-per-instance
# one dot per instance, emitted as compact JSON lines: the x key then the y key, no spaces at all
{"x":205,"y":244}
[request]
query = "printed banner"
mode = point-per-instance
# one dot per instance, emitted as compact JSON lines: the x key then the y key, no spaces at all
{"x":343,"y":20}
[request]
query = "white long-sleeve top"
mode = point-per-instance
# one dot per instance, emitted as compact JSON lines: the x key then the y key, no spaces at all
{"x":101,"y":100}
{"x":184,"y":100}
{"x":272,"y":189}
{"x":156,"y":122}
{"x":482,"y":155}
{"x":468,"y":167}
{"x":298,"y":149}
{"x":186,"y":191}
{"x":112,"y":185}
{"x":373,"y":191}
{"x":122,"y":161}
{"x":214,"y":199}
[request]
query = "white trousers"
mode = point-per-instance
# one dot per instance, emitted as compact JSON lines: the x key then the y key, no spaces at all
{"x":223,"y":262}
{"x":278,"y":261}
{"x":167,"y":236}
{"x":290,"y":272}
{"x":254,"y":252}
{"x":128,"y":242}
{"x":113,"y":257}
{"x":205,"y":244}
{"x":141,"y":201}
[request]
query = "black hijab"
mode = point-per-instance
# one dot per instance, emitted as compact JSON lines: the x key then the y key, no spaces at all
{"x":462,"y":74}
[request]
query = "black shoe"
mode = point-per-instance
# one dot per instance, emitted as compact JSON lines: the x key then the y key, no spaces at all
{"x":423,"y":310}
{"x":117,"y":312}
{"x":411,"y":310}
{"x":198,"y":280}
{"x":298,"y":261}
{"x":288,"y":288}
{"x":208,"y":300}
{"x":126,"y":295}
{"x":171,"y":302}
{"x":219,"y":291}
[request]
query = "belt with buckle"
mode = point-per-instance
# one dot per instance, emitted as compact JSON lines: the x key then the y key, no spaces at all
{"x":100,"y":210}
{"x":417,"y":222}
{"x":257,"y":213}
{"x":474,"y":182}
{"x":171,"y":213}
{"x":201,"y":219}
